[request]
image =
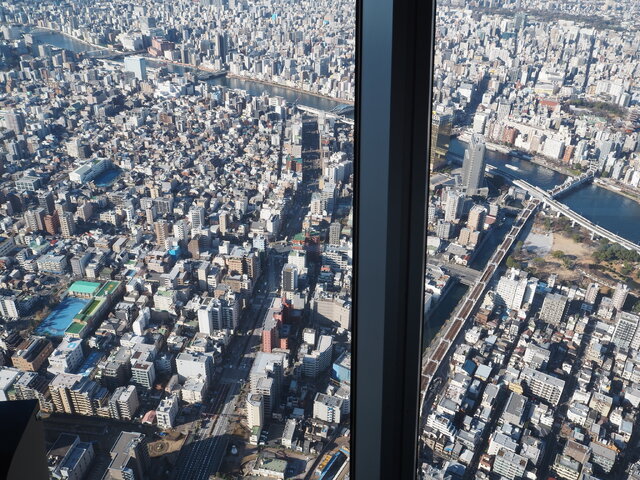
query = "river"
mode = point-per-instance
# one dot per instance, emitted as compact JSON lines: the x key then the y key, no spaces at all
{"x":61,"y":40}
{"x":603,"y":207}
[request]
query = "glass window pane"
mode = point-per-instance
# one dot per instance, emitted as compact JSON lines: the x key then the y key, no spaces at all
{"x":176,"y":199}
{"x":531,"y":303}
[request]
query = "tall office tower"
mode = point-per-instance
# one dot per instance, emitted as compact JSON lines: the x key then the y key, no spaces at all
{"x":224,"y":222}
{"x":620,"y":296}
{"x":137,"y":65}
{"x":67,"y":224}
{"x":161,"y":228}
{"x":289,"y":278}
{"x":473,"y":166}
{"x":334,"y":233}
{"x":627,"y":334}
{"x":592,"y":293}
{"x":45,"y":201}
{"x":220,"y":48}
{"x":440,"y":138}
{"x":196,"y":217}
{"x":476,"y":217}
{"x":454,"y":206}
{"x":520,"y":19}
{"x":14,"y":120}
{"x":553,"y":308}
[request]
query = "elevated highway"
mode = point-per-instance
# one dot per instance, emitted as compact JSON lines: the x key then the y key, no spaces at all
{"x":441,"y":346}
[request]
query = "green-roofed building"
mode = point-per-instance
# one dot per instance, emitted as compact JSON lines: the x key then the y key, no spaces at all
{"x":108,"y":288}
{"x":76,"y":330}
{"x":271,"y":467}
{"x":83,"y":289}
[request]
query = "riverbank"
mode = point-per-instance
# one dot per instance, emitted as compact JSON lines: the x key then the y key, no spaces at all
{"x":73,"y":37}
{"x":615,"y":189}
{"x":218,"y":73}
{"x":295,"y":89}
{"x":537,"y":159}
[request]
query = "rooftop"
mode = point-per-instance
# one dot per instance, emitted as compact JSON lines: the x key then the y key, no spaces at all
{"x":83,"y":287}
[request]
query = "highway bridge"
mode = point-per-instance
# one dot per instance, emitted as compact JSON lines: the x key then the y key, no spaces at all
{"x":549,"y":198}
{"x":316,"y":111}
{"x":571,"y":183}
{"x":561,"y":209}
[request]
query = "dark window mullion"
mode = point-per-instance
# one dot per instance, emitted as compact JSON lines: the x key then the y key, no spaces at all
{"x":392,"y":113}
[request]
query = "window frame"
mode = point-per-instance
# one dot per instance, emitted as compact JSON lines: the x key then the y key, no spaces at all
{"x":394,"y":58}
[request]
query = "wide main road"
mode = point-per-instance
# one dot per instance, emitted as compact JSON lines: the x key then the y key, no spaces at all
{"x":203,"y":456}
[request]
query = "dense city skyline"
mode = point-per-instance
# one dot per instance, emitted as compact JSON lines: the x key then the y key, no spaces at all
{"x":176,"y":236}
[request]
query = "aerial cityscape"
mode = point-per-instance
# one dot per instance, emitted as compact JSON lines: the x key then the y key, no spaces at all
{"x":532,"y":296}
{"x":176,"y":219}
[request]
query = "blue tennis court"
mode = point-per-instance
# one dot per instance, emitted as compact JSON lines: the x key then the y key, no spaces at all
{"x":61,"y":317}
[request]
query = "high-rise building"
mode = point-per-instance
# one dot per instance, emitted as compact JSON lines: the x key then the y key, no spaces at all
{"x":515,"y":289}
{"x":181,"y":230}
{"x":334,"y":233}
{"x":76,"y":149}
{"x":167,"y":412}
{"x":124,"y":403}
{"x":474,"y":165}
{"x":224,"y":222}
{"x":327,"y":408}
{"x":196,"y":217}
{"x":476,"y":217}
{"x":34,"y":219}
{"x":67,"y":225}
{"x":454,"y":206}
{"x":46,"y":202}
{"x":319,"y":359}
{"x":255,"y":410}
{"x":509,"y":464}
{"x":143,"y":374}
{"x":14,"y":120}
{"x":289,"y":278}
{"x":137,"y":65}
{"x":504,"y":109}
{"x":162,"y":229}
{"x":620,"y":296}
{"x":592,"y":293}
{"x":627,"y":334}
{"x":545,"y":386}
{"x":218,"y":314}
{"x":52,"y":223}
{"x":553,"y":308}
{"x":192,"y":365}
{"x":266,"y":376}
{"x":440,"y":138}
{"x":444,"y":229}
